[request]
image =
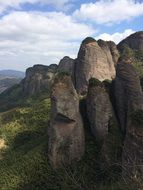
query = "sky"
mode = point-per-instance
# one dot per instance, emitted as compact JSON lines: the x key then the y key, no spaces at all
{"x":44,"y":31}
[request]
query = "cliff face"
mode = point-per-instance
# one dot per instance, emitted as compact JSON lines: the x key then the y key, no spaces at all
{"x":39,"y":78}
{"x":94,"y":60}
{"x":129,"y":98}
{"x":111,"y":51}
{"x":103,"y":123}
{"x":66,"y":65}
{"x":127,"y":90}
{"x":134,"y":41}
{"x":99,"y":109}
{"x":66,"y":134}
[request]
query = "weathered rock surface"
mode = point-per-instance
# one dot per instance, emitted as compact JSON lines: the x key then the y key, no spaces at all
{"x":129,"y":100}
{"x":114,"y":51}
{"x":92,"y":61}
{"x":134,"y":41}
{"x":103,"y":124}
{"x":99,"y":108}
{"x":127,"y":90}
{"x":111,"y":51}
{"x":39,"y":78}
{"x":66,"y":65}
{"x":66,"y":134}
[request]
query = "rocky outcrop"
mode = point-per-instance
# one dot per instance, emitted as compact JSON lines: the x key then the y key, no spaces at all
{"x":103,"y":124}
{"x":129,"y":100}
{"x":66,"y":65}
{"x":134,"y":41}
{"x":111,"y":51}
{"x":66,"y":135}
{"x":114,"y":51}
{"x":127,"y":90}
{"x":39,"y":78}
{"x":94,"y":60}
{"x":99,"y":108}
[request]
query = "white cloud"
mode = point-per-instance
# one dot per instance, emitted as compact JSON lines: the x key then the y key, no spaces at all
{"x":116,"y":37}
{"x":110,"y":11}
{"x":39,"y":38}
{"x":5,"y":4}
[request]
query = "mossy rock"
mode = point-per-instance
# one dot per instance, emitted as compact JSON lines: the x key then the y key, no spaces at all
{"x":95,"y":82}
{"x":88,"y":40}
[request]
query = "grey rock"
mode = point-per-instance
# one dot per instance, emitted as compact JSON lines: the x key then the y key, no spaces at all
{"x":39,"y":78}
{"x":129,"y":98}
{"x":114,"y":51}
{"x":66,"y":65}
{"x":127,"y":90}
{"x":103,"y":124}
{"x":99,"y":109}
{"x":66,"y":134}
{"x":92,"y":61}
{"x":134,"y":41}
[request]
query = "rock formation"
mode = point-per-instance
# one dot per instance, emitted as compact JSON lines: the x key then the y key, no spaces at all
{"x":111,"y":51}
{"x":66,"y":135}
{"x":93,"y":61}
{"x":66,"y":65}
{"x":127,"y":90}
{"x":103,"y":123}
{"x":129,"y":98}
{"x":134,"y":41}
{"x":39,"y":78}
{"x":114,"y":51}
{"x":99,"y":108}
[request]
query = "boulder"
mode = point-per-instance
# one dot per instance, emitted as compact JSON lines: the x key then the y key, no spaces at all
{"x":66,"y":133}
{"x":92,"y":61}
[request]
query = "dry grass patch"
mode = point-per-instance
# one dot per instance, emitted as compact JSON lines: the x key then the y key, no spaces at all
{"x":2,"y":144}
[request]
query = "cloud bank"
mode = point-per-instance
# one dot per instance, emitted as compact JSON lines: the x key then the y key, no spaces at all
{"x":28,"y":38}
{"x":115,"y":37}
{"x":109,"y":11}
{"x":36,"y":37}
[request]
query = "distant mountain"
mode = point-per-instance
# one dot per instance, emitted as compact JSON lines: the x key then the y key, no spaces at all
{"x":11,"y":73}
{"x":8,"y":78}
{"x":6,"y":83}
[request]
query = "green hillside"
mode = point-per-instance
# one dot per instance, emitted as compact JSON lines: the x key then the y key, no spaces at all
{"x":6,"y":83}
{"x":23,"y":155}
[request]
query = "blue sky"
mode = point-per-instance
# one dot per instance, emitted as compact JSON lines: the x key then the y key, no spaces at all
{"x":43,"y":31}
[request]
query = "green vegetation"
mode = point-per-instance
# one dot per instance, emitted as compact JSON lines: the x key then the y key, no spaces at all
{"x":88,"y":40}
{"x":62,"y":74}
{"x":127,"y":53}
{"x":14,"y":97}
{"x":136,"y":56}
{"x":7,"y":83}
{"x":24,"y":159}
{"x":94,"y":82}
